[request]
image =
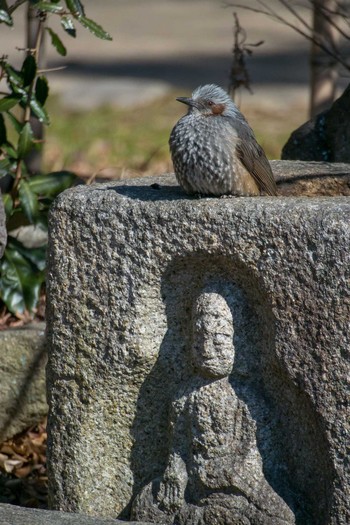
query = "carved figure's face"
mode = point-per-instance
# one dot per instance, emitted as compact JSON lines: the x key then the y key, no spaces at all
{"x":212,"y":345}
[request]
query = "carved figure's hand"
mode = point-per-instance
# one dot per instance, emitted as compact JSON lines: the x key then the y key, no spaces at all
{"x":171,"y":495}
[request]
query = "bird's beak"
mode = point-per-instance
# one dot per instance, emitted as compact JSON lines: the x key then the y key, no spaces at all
{"x":186,"y":100}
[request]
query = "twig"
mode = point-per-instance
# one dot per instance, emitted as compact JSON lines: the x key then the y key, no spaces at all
{"x":296,"y":14}
{"x":239,"y":75}
{"x":36,"y":51}
{"x":27,"y":110}
{"x":330,"y":19}
{"x":311,"y":38}
{"x":17,"y":180}
{"x":14,"y":6}
{"x":49,"y":70}
{"x":337,"y":11}
{"x":247,"y":8}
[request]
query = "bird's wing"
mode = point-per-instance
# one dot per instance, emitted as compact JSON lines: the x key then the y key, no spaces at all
{"x":253,"y":158}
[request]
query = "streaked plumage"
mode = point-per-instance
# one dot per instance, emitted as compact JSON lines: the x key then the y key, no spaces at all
{"x":214,"y":150}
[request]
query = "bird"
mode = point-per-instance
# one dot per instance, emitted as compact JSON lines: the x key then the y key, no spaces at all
{"x":214,"y":150}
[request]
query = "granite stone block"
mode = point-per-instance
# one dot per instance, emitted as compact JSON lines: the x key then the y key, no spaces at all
{"x":127,"y":262}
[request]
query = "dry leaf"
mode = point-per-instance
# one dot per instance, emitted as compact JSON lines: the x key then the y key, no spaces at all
{"x":23,"y":472}
{"x":23,"y":467}
{"x":11,"y":464}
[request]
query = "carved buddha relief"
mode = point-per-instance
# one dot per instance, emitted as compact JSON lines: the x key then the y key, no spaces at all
{"x":214,"y":473}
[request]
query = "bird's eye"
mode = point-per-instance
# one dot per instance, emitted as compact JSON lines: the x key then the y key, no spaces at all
{"x":210,"y":103}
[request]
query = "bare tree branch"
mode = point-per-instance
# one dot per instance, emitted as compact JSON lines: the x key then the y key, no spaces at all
{"x":288,"y":6}
{"x":14,"y":6}
{"x":247,"y":8}
{"x":239,"y":75}
{"x":329,"y":15}
{"x":315,"y":39}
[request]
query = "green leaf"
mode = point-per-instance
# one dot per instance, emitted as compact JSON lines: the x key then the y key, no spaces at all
{"x":68,"y":26}
{"x":6,"y":17}
{"x":28,"y":70}
{"x":41,"y":90}
{"x":39,"y":111}
{"x":3,"y":134}
{"x":11,"y":289}
{"x":37,"y":256}
{"x":17,"y":219}
{"x":16,"y":123}
{"x":94,"y":28}
{"x":19,"y":284}
{"x":25,"y":140}
{"x":49,"y":8}
{"x":18,"y":90}
{"x":56,"y":42}
{"x":28,"y":201}
{"x":5,"y":164}
{"x":42,"y":220}
{"x":8,"y":102}
{"x":52,"y":184}
{"x":13,"y":76}
{"x":10,"y":151}
{"x":8,"y":203}
{"x":75,"y":7}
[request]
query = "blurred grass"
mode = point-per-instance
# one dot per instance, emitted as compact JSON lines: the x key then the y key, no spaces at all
{"x":112,"y":142}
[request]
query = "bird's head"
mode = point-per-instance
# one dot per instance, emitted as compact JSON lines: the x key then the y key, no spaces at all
{"x":210,"y":100}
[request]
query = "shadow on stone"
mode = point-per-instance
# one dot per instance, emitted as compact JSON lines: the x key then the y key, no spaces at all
{"x":152,"y":192}
{"x":23,"y":400}
{"x":294,"y":179}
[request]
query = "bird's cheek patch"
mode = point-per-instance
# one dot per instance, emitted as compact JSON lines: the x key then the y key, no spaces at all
{"x":218,"y":109}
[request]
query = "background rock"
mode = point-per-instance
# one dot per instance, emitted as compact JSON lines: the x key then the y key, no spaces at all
{"x":326,"y":137}
{"x":22,"y":372}
{"x":125,"y":262}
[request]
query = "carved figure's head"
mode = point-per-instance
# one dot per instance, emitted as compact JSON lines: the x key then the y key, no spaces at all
{"x":212,"y":344}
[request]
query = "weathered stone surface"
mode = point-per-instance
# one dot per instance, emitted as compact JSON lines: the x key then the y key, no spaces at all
{"x":126,"y":263}
{"x":12,"y":515}
{"x":22,"y":372}
{"x":3,"y":234}
{"x":326,"y":137}
{"x":312,"y":179}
